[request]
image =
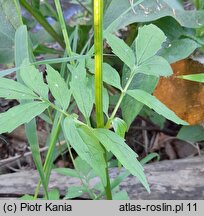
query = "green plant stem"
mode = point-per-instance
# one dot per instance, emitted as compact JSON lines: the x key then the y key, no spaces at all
{"x":64,"y":28}
{"x":98,"y":46}
{"x":48,"y":159}
{"x":40,"y":18}
{"x":123,"y":93}
{"x":18,"y":11}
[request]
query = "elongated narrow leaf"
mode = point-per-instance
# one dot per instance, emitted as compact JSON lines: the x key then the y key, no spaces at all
{"x":10,"y":20}
{"x":127,"y":157}
{"x":86,"y":146}
{"x":23,"y":50}
{"x":56,"y":128}
{"x":194,"y":77}
{"x":153,"y":103}
{"x":47,"y":61}
{"x":33,"y":79}
{"x":120,"y":127}
{"x":10,"y":89}
{"x":110,"y":75}
{"x":32,"y":136}
{"x":82,"y":90}
{"x":58,"y":87}
{"x":19,"y":115}
{"x":155,"y":66}
{"x":148,"y":42}
{"x":122,"y":50}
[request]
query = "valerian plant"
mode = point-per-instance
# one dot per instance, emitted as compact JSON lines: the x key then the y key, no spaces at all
{"x":85,"y":87}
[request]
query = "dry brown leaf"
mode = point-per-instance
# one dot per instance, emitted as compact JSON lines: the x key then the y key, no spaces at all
{"x":185,"y":98}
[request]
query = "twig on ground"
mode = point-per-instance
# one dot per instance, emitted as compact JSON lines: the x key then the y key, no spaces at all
{"x":9,"y":160}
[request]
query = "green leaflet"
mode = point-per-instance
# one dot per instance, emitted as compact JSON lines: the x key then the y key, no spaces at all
{"x":19,"y":115}
{"x":193,"y":133}
{"x":110,"y":75}
{"x":86,"y":146}
{"x":155,"y":66}
{"x":175,"y":51}
{"x":33,"y":79}
{"x":148,"y":42}
{"x":194,"y":77}
{"x":120,"y":127}
{"x":10,"y":20}
{"x":153,"y":103}
{"x":82,"y":90}
{"x":127,"y":157}
{"x":122,"y":50}
{"x":23,"y":49}
{"x":10,"y":89}
{"x":58,"y":87}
